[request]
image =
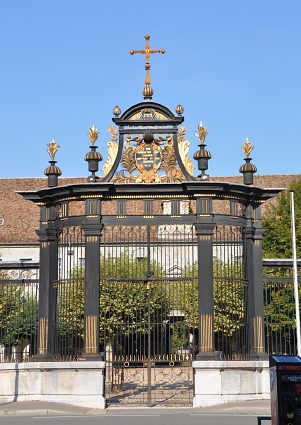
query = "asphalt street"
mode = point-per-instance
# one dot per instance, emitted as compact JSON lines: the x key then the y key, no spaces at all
{"x":45,"y":413}
{"x":145,"y":418}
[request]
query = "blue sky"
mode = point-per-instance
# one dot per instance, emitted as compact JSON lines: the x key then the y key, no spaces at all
{"x":234,"y":64}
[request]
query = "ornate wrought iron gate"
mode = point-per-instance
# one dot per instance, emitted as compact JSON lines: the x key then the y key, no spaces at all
{"x":148,"y":311}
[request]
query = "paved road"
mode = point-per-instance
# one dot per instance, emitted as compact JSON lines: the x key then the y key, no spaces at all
{"x":44,"y":413}
{"x":145,"y":418}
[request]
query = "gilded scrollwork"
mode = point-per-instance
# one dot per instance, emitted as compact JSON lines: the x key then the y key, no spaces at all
{"x":169,"y":164}
{"x":128,"y":160}
{"x":184,"y":146}
{"x":112,"y":150}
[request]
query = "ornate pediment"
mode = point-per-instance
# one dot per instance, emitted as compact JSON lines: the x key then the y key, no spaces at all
{"x":148,"y":114}
{"x":149,"y":157}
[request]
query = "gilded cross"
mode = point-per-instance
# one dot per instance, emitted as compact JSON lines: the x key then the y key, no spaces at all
{"x":147,"y":51}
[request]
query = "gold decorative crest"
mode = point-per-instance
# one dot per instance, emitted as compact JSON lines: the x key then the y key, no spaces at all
{"x":148,"y":159}
{"x":93,"y":134}
{"x":153,"y":162}
{"x":247,"y":147}
{"x":52,"y":149}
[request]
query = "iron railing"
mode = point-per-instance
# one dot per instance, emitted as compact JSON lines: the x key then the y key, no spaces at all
{"x":70,"y":295}
{"x":230,"y":293}
{"x":279,"y":306}
{"x":19,"y":288}
{"x":19,"y":284}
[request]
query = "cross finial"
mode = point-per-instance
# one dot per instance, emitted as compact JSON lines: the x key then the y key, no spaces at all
{"x":147,"y":51}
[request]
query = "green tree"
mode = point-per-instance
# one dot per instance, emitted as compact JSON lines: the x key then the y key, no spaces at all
{"x":70,"y":305}
{"x":124,"y":301}
{"x":123,"y":297}
{"x":18,"y":313}
{"x":229,"y":293}
{"x":277,"y":242}
{"x":279,"y":306}
{"x":279,"y":300}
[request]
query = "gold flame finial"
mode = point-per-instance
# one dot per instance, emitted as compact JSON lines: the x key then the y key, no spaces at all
{"x":201,"y":133}
{"x":247,"y":147}
{"x":93,"y":134}
{"x":52,"y":149}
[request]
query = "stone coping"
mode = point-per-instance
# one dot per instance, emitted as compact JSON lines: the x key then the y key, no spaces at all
{"x":53,"y":365}
{"x":226,"y":364}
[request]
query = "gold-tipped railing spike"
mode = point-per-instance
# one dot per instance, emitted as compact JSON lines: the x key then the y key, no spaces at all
{"x":52,"y":149}
{"x":247,"y":147}
{"x":93,"y":134}
{"x":201,"y":133}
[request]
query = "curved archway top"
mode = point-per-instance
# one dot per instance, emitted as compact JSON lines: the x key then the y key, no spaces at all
{"x":148,"y":111}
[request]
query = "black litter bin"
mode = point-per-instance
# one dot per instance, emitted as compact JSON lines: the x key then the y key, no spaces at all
{"x":285,"y":380}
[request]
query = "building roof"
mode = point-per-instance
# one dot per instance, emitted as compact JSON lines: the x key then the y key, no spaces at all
{"x":20,"y":218}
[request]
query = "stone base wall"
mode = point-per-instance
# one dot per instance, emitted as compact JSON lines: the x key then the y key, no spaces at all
{"x":218,"y":382}
{"x":78,"y":383}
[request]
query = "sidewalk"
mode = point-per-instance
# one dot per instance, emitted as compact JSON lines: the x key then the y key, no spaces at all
{"x":29,"y":408}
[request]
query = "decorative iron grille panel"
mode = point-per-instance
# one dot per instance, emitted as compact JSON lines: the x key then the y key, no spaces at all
{"x":148,"y":311}
{"x":70,"y":294}
{"x":230,"y":293}
{"x":279,"y":310}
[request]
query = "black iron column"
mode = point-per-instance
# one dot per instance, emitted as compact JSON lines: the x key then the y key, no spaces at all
{"x":204,"y":230}
{"x":48,"y":276}
{"x":92,"y":231}
{"x":253,"y":258}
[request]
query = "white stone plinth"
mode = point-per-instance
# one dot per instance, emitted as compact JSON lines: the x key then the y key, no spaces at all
{"x":80,"y":383}
{"x":218,"y":382}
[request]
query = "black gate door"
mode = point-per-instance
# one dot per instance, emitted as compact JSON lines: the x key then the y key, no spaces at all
{"x":148,"y":313}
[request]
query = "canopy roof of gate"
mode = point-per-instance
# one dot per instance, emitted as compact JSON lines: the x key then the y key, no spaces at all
{"x":109,"y":190}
